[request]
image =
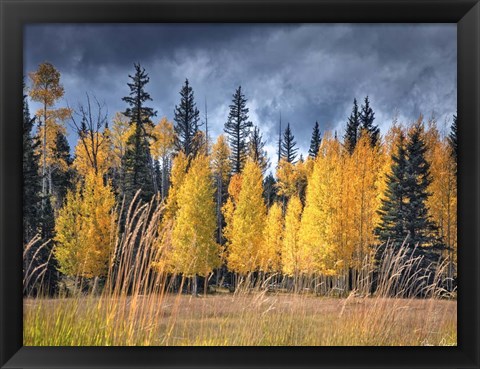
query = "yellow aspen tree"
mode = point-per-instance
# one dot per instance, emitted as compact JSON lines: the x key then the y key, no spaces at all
{"x":46,"y":89}
{"x":317,"y":217}
{"x":93,"y":154}
{"x":161,"y":148}
{"x":287,"y":178}
{"x":293,"y":252}
{"x":194,"y":250}
{"x":245,"y":234}
{"x":442,"y":203}
{"x":119,"y":135}
{"x":364,"y":175}
{"x":85,"y":229}
{"x":270,"y":256}
{"x":177,"y":177}
{"x":220,"y":161}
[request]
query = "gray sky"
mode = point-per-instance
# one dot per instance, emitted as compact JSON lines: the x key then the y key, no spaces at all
{"x":309,"y":72}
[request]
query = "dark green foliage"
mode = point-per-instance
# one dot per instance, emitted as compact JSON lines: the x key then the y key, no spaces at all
{"x":61,"y":176}
{"x":352,"y":130}
{"x":367,"y":116}
{"x":392,"y":212}
{"x":237,"y":128}
{"x":32,"y":181}
{"x":452,"y":138}
{"x":404,"y":214}
{"x":289,"y":151}
{"x":270,"y":190}
{"x":187,"y":118}
{"x":257,"y":151}
{"x":315,"y":141}
{"x":137,"y":162}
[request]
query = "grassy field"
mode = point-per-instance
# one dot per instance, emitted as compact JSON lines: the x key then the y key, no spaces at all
{"x":258,"y":318}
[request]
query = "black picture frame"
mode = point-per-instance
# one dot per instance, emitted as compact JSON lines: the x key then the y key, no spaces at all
{"x":16,"y":13}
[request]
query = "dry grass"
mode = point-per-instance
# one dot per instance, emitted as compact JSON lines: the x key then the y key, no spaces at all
{"x":134,"y":307}
{"x":247,"y":319}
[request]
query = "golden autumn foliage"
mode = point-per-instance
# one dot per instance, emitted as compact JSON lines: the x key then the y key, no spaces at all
{"x":245,"y":225}
{"x":221,"y":159}
{"x":319,"y":216}
{"x":119,"y":135}
{"x":93,"y":153}
{"x":271,"y":250}
{"x":85,"y":229}
{"x":293,"y":250}
{"x":194,"y":250}
{"x":164,"y":137}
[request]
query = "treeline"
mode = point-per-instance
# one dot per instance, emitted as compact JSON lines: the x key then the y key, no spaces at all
{"x":325,"y":215}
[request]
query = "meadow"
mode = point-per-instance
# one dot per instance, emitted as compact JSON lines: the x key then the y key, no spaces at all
{"x":257,"y":318}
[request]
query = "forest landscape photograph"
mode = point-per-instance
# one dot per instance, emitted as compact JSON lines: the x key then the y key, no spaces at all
{"x":240,"y":185}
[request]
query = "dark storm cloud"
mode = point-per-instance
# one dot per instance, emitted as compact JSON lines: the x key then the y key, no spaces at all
{"x":308,"y":72}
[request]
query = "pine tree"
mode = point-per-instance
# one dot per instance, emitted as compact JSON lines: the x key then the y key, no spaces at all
{"x":256,"y":150}
{"x":137,"y":161}
{"x":289,"y":151}
{"x":315,"y":142}
{"x":237,"y":128}
{"x":419,"y":225}
{"x":187,"y":118}
{"x":367,"y":116}
{"x":61,"y":172}
{"x":270,"y":190}
{"x":392,"y":211}
{"x":352,"y":130}
{"x":452,"y":138}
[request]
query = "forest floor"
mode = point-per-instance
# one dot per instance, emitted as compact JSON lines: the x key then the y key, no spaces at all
{"x":239,"y":319}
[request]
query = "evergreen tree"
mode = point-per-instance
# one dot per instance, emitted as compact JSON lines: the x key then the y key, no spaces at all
{"x":419,"y":225}
{"x":61,"y":174}
{"x":237,"y":128}
{"x":352,"y":130}
{"x":452,"y":138}
{"x":270,"y":190}
{"x":315,"y":142}
{"x":289,"y":151}
{"x":32,"y":182}
{"x":367,"y":116}
{"x":404,"y":212}
{"x":256,"y":149}
{"x":187,"y":118}
{"x":392,"y":211}
{"x":137,"y":162}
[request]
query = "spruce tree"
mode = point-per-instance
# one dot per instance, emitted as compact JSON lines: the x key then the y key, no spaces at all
{"x":392,"y":212}
{"x":237,"y":128}
{"x":315,"y":142}
{"x":61,"y":175}
{"x":270,"y":190}
{"x":256,"y":149}
{"x":187,"y":118}
{"x":352,"y":130}
{"x":419,"y":225}
{"x":404,"y":214}
{"x":137,"y":162}
{"x":32,"y":182}
{"x":452,"y":138}
{"x":367,"y":116}
{"x":289,"y":151}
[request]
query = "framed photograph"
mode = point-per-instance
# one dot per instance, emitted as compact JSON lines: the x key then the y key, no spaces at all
{"x":239,"y":184}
